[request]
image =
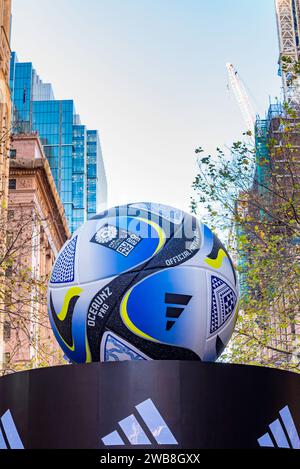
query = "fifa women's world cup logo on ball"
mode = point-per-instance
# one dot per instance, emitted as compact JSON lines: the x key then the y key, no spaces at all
{"x":106,"y":234}
{"x":143,"y":281}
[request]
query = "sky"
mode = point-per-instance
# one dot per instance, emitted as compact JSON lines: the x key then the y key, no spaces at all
{"x":150,"y":75}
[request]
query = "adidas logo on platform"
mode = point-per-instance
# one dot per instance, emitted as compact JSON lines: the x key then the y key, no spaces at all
{"x":9,"y":436}
{"x":137,"y":429}
{"x":283,"y":432}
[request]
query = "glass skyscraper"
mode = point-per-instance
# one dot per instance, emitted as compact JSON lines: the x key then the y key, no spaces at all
{"x":95,"y":174}
{"x":73,"y":151}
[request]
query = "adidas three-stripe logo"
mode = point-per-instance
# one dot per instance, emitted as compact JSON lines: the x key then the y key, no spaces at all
{"x":9,"y":436}
{"x":283,"y":432}
{"x":151,"y":420}
{"x":173,"y":312}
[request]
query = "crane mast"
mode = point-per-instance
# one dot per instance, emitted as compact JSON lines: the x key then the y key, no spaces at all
{"x":241,"y":97}
{"x":288,"y":27}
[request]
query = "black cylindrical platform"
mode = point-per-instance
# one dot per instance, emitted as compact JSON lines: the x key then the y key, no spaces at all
{"x":150,"y":404}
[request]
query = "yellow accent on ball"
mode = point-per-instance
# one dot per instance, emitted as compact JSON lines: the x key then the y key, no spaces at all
{"x":216,"y":263}
{"x":73,"y":291}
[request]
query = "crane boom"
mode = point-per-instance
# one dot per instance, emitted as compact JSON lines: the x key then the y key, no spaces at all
{"x":242,"y":97}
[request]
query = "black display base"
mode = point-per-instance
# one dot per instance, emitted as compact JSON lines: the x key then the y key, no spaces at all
{"x":150,"y":404}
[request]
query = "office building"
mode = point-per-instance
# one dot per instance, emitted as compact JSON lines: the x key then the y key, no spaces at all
{"x":5,"y":101}
{"x":37,"y":229}
{"x":73,"y":151}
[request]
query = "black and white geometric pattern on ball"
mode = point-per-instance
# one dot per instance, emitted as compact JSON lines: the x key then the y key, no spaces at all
{"x":223,"y":301}
{"x":63,"y":271}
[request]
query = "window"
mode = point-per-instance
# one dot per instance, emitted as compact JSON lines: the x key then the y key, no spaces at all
{"x":6,"y":358}
{"x":8,"y":298}
{"x":12,"y":184}
{"x":11,"y":214}
{"x":6,"y":330}
{"x":12,"y":153}
{"x":9,"y":239}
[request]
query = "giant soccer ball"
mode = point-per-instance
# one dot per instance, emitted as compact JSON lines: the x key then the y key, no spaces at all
{"x":143,"y":281}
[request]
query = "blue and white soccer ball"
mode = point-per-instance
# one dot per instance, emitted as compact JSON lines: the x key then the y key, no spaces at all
{"x":143,"y":281}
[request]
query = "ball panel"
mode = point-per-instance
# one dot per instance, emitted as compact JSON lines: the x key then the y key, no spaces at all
{"x":166,"y":307}
{"x":183,"y":243}
{"x":70,"y":317}
{"x":225,"y":332}
{"x":222,"y":310}
{"x":100,"y":305}
{"x":64,"y":268}
{"x":213,"y":256}
{"x":97,"y":324}
{"x":115,"y":348}
{"x":68,"y":322}
{"x":115,"y":245}
{"x":223,"y":300}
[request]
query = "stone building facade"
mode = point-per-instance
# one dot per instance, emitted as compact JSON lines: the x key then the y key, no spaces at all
{"x":37,"y":229}
{"x":5,"y":99}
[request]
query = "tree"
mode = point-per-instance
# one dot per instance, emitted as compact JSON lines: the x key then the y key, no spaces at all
{"x":28,"y":340}
{"x":253,"y":195}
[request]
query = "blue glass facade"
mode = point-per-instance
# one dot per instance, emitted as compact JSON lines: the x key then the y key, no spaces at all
{"x":96,"y":180}
{"x":79,"y":169}
{"x":21,"y":84}
{"x":74,"y":153}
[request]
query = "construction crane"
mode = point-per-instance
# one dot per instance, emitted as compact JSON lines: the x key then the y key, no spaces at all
{"x":241,"y":95}
{"x":288,"y":27}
